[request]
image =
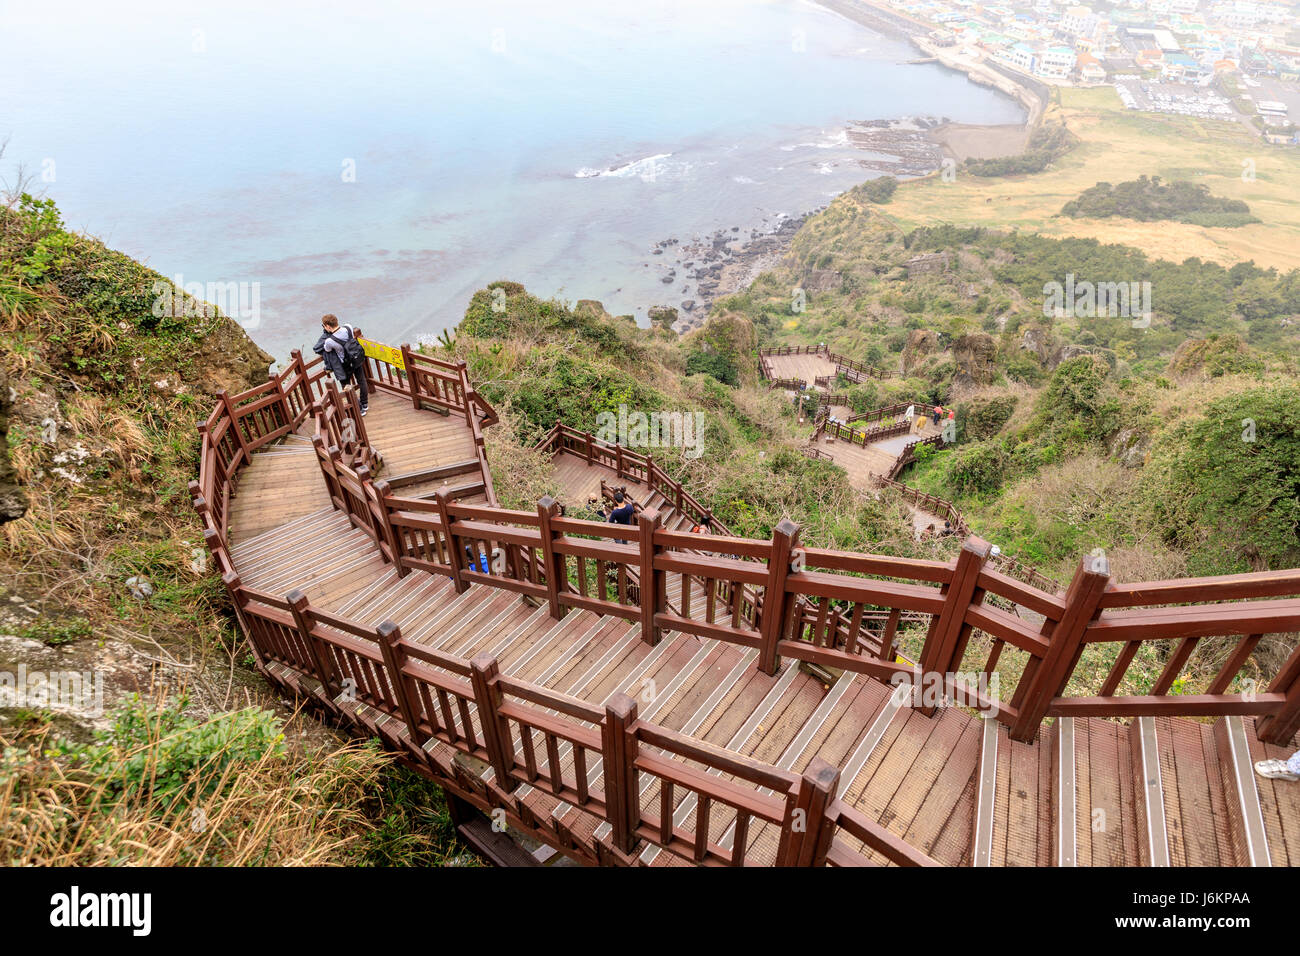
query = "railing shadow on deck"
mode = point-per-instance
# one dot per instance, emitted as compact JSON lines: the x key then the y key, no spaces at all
{"x":808,"y":604}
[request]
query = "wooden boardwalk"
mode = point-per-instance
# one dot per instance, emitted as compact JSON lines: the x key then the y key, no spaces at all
{"x":921,"y":777}
{"x":807,"y":367}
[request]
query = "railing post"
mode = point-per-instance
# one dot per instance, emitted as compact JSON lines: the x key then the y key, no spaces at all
{"x":806,"y":832}
{"x":950,"y":625}
{"x":381,"y":490}
{"x":496,"y":732}
{"x":454,"y":557}
{"x":618,"y":751}
{"x":390,"y":644}
{"x":237,"y":597}
{"x":465,"y":391}
{"x":224,"y":397}
{"x":588,"y":435}
{"x":358,"y":422}
{"x":1280,"y":727}
{"x":556,"y":578}
{"x":367,"y":493}
{"x":784,"y":539}
{"x":1082,"y":602}
{"x":618,"y":460}
{"x":652,"y":582}
{"x":412,"y":380}
{"x":301,"y":610}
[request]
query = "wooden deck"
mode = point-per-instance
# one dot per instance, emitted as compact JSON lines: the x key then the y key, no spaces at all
{"x":943,"y":783}
{"x":807,"y":367}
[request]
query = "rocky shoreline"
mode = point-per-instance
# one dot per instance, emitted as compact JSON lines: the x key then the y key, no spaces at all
{"x":706,"y":268}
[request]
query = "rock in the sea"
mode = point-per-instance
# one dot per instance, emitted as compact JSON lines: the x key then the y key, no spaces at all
{"x":662,"y":315}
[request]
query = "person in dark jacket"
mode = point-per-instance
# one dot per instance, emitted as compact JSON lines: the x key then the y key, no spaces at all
{"x":623,"y":511}
{"x":332,"y":347}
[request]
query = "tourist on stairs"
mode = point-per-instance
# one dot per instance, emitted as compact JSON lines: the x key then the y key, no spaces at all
{"x":343,"y":355}
{"x":623,"y":511}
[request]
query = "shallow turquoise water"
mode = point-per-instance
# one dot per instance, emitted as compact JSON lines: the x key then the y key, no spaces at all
{"x":551,"y":144}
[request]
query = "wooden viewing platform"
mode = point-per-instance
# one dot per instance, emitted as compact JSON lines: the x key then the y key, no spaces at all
{"x":723,"y":701}
{"x":812,"y":366}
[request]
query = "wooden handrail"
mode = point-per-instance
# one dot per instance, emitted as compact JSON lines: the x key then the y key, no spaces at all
{"x":814,"y":611}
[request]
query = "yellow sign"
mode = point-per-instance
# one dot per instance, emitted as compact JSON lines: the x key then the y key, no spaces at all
{"x":382,"y":353}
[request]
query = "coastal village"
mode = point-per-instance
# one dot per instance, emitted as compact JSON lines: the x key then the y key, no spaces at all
{"x":1215,"y":59}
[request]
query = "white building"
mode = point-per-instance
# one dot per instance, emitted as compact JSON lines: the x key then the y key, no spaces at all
{"x":1057,"y":62}
{"x":1078,"y":21}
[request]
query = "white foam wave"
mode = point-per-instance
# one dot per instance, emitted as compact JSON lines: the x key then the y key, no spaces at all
{"x":647,"y":169}
{"x":837,"y":139}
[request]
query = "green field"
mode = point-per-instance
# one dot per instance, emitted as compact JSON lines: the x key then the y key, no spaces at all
{"x":1118,"y":145}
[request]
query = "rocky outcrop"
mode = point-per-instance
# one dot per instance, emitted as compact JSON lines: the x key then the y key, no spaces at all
{"x":1038,"y":342}
{"x":976,"y":358}
{"x":1067,"y":352}
{"x":822,"y":280}
{"x":920,"y":343}
{"x":13,"y":503}
{"x":1130,"y":447}
{"x":663,"y":316}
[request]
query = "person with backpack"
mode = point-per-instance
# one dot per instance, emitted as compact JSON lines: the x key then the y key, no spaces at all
{"x":343,"y":355}
{"x":623,"y":511}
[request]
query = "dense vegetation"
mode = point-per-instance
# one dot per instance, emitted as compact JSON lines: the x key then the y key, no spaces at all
{"x":1047,"y":143}
{"x":1147,"y":199}
{"x":881,"y":189}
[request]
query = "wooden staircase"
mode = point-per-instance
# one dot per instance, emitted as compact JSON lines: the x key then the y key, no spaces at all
{"x":720,"y":741}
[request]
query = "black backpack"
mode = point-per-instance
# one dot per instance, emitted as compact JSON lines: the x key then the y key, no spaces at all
{"x":354,"y":356}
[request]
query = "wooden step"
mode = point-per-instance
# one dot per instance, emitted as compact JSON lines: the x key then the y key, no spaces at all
{"x":1065,"y":793}
{"x":1279,"y":800}
{"x":1153,"y":835}
{"x":1106,"y":825}
{"x":1196,"y":813}
{"x":985,"y":806}
{"x":1014,"y":819}
{"x":1245,"y":814}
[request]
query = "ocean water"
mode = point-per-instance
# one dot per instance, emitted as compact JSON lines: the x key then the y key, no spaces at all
{"x":383,"y":160}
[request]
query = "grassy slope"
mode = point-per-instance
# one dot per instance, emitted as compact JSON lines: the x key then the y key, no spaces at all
{"x":106,"y":396}
{"x":1117,"y":145}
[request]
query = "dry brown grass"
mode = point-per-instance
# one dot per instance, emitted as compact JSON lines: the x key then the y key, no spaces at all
{"x":277,"y":809}
{"x":521,"y":475}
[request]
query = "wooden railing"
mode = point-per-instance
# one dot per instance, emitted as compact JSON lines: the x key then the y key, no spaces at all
{"x":889,"y":411}
{"x":790,"y":384}
{"x":851,"y":368}
{"x":802,"y":598}
{"x":860,"y":436}
{"x":441,"y":386}
{"x":939,"y":507}
{"x":627,"y":466}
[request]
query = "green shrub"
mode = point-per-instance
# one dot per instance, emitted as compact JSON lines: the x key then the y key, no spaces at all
{"x":712,"y":363}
